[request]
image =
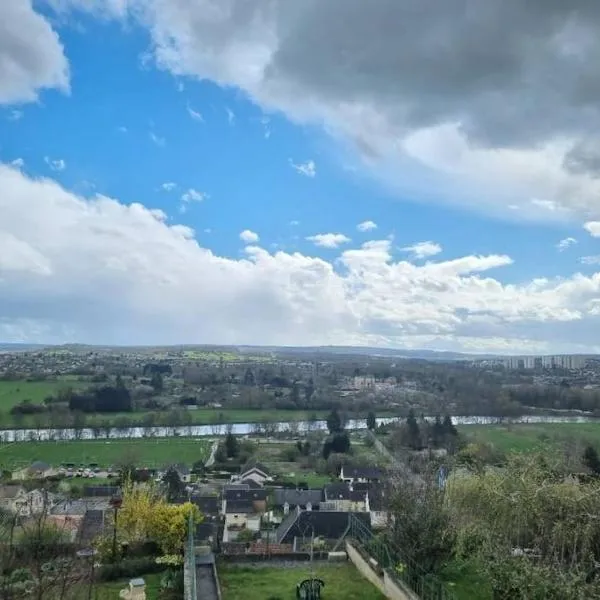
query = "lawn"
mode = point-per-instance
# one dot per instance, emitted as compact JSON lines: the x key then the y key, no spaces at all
{"x":13,"y":392}
{"x":110,"y":591}
{"x":105,"y":453}
{"x":342,"y":582}
{"x":526,"y":437}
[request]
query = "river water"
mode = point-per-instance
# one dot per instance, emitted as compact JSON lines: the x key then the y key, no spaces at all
{"x":22,"y":435}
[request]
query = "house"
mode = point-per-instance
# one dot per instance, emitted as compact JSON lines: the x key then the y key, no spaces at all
{"x":351,"y":474}
{"x":324,"y":524}
{"x":377,"y":507}
{"x":37,"y":470}
{"x":17,"y":500}
{"x":255,"y":472}
{"x":341,"y":497}
{"x":237,"y":514}
{"x":256,"y":498}
{"x":208,"y":505}
{"x":287,"y":500}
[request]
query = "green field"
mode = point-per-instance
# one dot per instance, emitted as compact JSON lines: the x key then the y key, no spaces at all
{"x":342,"y":582}
{"x":525,"y":437}
{"x":14,"y":392}
{"x":105,"y":453}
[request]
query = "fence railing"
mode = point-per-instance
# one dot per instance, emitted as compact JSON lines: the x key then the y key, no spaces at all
{"x":397,"y":566}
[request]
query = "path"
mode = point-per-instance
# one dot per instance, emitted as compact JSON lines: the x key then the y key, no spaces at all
{"x":213,"y":451}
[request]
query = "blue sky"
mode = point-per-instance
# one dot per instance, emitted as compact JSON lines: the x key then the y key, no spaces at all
{"x":226,"y":133}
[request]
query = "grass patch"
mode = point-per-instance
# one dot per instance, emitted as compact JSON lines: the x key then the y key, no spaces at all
{"x":105,"y":453}
{"x":529,"y":437}
{"x":14,"y":392}
{"x":110,"y":591}
{"x":342,"y":582}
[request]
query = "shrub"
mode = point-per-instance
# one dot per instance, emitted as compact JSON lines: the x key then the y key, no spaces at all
{"x":129,"y":568}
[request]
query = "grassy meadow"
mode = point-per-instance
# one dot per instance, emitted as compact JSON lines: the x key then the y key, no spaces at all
{"x":529,"y":437}
{"x":342,"y":582}
{"x":105,"y":453}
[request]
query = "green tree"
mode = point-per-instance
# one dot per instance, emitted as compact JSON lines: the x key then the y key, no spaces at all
{"x":371,"y":420}
{"x":157,"y":382}
{"x":173,"y":484}
{"x":232,"y":446}
{"x":414,"y":432}
{"x":334,"y":422}
{"x":591,"y":459}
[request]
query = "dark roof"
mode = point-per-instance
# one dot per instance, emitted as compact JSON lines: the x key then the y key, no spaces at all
{"x":39,"y":465}
{"x":208,"y":505}
{"x":103,"y":491}
{"x":327,"y":524}
{"x":254,"y":465}
{"x":247,"y":495}
{"x":239,"y":506}
{"x":297,"y":497}
{"x":206,"y":530}
{"x":377,"y":499}
{"x":337,"y":491}
{"x":251,"y":484}
{"x":91,"y":526}
{"x":236,"y":486}
{"x":362,"y":472}
{"x":10,"y":491}
{"x":358,"y":495}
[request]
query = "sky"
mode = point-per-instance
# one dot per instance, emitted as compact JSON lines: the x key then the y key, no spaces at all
{"x":330,"y":172}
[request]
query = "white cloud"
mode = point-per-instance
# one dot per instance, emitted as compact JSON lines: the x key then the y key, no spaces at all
{"x":423,"y":249}
{"x":159,"y":141}
{"x":192,"y":195}
{"x":230,"y":116}
{"x":366,"y":226}
{"x":294,"y":223}
{"x":19,"y":163}
{"x":55,"y":164}
{"x":168,"y":186}
{"x":328,"y":240}
{"x":249,"y":237}
{"x":565,"y":243}
{"x":307,"y":168}
{"x":31,"y":55}
{"x":15,"y":115}
{"x":590,"y":260}
{"x":99,"y":271}
{"x":593,"y":228}
{"x":122,"y":129}
{"x":195,"y":115}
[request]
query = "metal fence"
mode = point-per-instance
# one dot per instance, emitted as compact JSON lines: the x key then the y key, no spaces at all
{"x":190,"y":562}
{"x":396,"y":565}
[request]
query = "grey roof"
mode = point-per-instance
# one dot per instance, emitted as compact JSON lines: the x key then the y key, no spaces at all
{"x":104,"y":491}
{"x":39,"y":465}
{"x":10,"y":491}
{"x":362,"y":472}
{"x":327,"y":524}
{"x":180,"y":468}
{"x":254,"y":465}
{"x":247,"y":495}
{"x":297,"y":497}
{"x":239,"y":506}
{"x":337,"y":491}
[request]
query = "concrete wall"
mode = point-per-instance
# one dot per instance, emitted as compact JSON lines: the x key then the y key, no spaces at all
{"x":389,"y":587}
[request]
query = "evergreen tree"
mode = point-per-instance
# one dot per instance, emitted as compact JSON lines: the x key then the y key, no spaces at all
{"x":173,"y":484}
{"x":334,"y":422}
{"x":371,"y":420}
{"x":591,"y":459}
{"x":449,"y":428}
{"x":232,"y":446}
{"x":157,"y":382}
{"x":414,"y":433}
{"x":437,"y":432}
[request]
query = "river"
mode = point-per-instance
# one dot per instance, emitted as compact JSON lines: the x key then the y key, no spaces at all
{"x":23,"y":435}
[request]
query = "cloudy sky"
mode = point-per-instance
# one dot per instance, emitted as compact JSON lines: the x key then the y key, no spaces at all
{"x":393,"y":173}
